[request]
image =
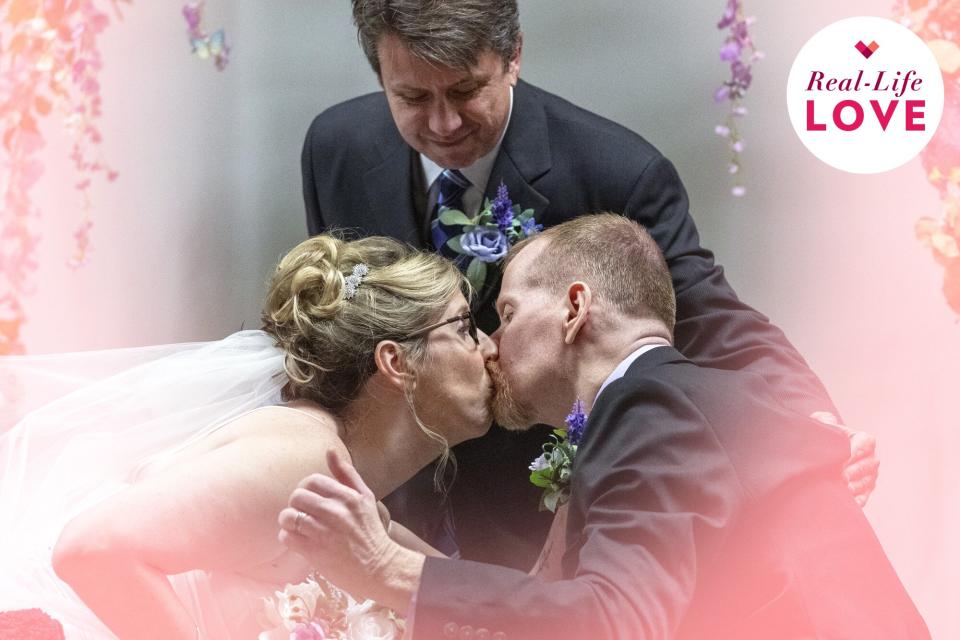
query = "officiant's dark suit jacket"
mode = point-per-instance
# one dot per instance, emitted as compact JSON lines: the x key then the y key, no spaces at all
{"x":561,"y":161}
{"x":700,"y":508}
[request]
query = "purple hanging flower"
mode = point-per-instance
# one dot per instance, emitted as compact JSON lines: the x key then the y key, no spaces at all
{"x":729,"y":14}
{"x":502,"y":208}
{"x":730,"y":50}
{"x":739,"y":51}
{"x":740,"y":33}
{"x":741,"y":75}
{"x":191,"y":12}
{"x":576,"y":423}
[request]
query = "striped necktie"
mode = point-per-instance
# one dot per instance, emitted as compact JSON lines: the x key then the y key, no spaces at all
{"x":449,"y":187}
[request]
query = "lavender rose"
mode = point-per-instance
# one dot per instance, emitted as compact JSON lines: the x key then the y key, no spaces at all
{"x":489,"y":245}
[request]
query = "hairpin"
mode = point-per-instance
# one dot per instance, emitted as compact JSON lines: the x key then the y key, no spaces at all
{"x":352,"y":282}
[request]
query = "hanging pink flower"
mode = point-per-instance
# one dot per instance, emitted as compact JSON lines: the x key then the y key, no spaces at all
{"x":49,"y":66}
{"x":938,"y":23}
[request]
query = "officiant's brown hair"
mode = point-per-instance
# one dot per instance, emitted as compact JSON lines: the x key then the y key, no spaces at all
{"x":614,"y":255}
{"x":449,"y":33}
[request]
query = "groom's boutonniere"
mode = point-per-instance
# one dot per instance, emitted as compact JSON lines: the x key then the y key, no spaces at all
{"x":551,"y":470}
{"x":488,"y":236}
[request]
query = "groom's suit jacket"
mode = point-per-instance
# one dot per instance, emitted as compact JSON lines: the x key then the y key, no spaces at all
{"x":561,"y":161}
{"x":700,"y":508}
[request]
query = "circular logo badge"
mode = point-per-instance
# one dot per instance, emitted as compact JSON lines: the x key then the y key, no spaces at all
{"x":865,"y":95}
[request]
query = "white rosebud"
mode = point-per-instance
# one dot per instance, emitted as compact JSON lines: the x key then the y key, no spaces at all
{"x":540,"y":463}
{"x":365,"y":622}
{"x":297,"y":602}
{"x":738,"y":191}
{"x":722,"y":131}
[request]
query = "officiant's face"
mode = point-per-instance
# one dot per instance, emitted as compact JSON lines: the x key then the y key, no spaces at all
{"x":454,"y":391}
{"x":452,"y":116}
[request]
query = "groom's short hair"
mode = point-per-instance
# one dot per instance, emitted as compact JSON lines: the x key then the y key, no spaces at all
{"x":614,"y":255}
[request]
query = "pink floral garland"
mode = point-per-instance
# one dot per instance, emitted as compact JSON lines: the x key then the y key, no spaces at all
{"x":938,"y":23}
{"x":49,"y":65}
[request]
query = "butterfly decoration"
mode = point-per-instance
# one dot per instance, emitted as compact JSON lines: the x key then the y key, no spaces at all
{"x":205,"y":46}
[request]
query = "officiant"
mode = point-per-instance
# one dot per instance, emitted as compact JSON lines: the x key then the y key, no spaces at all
{"x":452,"y":123}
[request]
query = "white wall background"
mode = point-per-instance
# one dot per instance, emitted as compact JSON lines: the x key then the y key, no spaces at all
{"x":209,"y":197}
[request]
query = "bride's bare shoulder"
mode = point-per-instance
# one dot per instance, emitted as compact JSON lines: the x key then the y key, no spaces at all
{"x":296,"y":416}
{"x":304,"y":422}
{"x":301,"y":413}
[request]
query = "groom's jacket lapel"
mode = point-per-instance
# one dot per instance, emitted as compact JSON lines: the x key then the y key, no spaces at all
{"x":604,"y":426}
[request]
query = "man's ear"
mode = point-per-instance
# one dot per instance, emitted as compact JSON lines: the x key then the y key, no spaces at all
{"x":513,"y":67}
{"x":579,"y":299}
{"x":392,"y":364}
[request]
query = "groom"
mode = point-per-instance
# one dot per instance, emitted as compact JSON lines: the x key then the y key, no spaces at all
{"x":700,"y":507}
{"x":452,"y":99}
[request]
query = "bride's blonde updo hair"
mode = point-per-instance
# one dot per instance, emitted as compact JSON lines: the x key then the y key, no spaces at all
{"x":329,"y":340}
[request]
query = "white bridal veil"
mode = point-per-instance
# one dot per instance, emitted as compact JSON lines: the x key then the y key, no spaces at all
{"x":75,"y":428}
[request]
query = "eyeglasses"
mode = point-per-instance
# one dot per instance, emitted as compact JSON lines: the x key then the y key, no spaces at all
{"x":471,"y":327}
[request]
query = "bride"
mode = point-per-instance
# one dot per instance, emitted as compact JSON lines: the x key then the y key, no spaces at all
{"x":154,"y":492}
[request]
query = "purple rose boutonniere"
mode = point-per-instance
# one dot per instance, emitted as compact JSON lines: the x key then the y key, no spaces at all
{"x":485,"y":244}
{"x":488,"y":236}
{"x":551,"y":471}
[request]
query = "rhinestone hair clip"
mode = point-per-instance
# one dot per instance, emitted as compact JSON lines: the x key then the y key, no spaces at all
{"x":352,"y":282}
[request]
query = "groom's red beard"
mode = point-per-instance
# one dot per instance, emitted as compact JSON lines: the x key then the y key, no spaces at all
{"x":509,"y":412}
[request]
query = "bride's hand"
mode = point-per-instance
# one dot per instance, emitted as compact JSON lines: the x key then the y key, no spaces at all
{"x":335,"y":523}
{"x":384,"y":515}
{"x":862,"y":468}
